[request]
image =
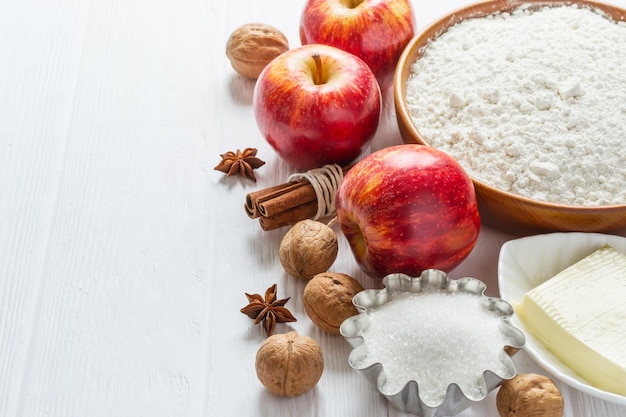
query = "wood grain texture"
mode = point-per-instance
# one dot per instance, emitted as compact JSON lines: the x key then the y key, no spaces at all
{"x":124,"y":257}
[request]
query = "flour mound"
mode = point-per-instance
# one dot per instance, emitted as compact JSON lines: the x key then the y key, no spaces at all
{"x":530,"y":102}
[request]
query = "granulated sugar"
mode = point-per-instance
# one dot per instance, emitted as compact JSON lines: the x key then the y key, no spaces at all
{"x":436,"y":339}
{"x":530,"y":102}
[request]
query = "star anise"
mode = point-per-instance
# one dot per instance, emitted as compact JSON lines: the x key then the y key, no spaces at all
{"x":242,"y":163}
{"x":268,"y":310}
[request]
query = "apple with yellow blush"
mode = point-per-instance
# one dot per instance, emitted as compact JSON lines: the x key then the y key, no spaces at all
{"x":407,"y":208}
{"x":317,"y":105}
{"x":377,"y":31}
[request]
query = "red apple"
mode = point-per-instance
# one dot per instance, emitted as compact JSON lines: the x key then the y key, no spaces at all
{"x":317,"y":105}
{"x":407,"y":208}
{"x":374,"y":30}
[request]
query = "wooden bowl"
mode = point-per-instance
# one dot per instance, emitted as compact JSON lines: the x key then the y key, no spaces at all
{"x":500,"y":209}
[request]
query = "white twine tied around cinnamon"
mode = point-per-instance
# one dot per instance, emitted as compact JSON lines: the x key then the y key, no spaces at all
{"x":325,"y":182}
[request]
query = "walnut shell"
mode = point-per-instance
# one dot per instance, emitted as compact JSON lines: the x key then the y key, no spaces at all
{"x":308,"y":248}
{"x":289,"y":364}
{"x":530,"y":395}
{"x":252,"y":46}
{"x":327,"y":300}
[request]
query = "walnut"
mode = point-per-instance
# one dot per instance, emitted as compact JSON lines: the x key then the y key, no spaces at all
{"x":289,"y":364}
{"x":530,"y":395}
{"x":252,"y":46}
{"x":308,"y":248}
{"x":327,"y":300}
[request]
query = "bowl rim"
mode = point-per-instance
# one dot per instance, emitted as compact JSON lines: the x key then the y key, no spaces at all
{"x":477,"y":10}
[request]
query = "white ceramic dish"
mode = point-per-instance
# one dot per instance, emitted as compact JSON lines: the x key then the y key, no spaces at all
{"x":527,"y":262}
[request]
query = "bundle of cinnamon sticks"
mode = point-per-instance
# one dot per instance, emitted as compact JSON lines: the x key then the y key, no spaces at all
{"x":283,"y":204}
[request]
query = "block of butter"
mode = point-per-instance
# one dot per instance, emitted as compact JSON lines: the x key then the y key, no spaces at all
{"x":580,"y":316}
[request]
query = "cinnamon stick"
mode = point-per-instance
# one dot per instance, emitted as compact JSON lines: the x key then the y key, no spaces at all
{"x":289,"y":217}
{"x":255,"y":198}
{"x":283,"y":204}
{"x":302,"y":194}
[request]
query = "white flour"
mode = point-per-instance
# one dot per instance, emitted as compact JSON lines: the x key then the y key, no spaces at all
{"x":533,"y":103}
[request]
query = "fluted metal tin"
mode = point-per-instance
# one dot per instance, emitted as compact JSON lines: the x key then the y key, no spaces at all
{"x":408,"y":399}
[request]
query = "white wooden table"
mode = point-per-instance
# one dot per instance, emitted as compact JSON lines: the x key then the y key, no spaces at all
{"x":124,"y":257}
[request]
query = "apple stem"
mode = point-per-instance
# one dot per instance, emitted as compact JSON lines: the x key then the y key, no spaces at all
{"x":318,"y":76}
{"x":353,"y":3}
